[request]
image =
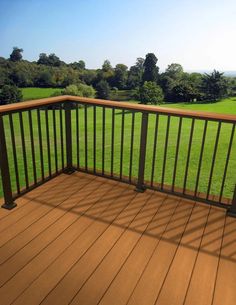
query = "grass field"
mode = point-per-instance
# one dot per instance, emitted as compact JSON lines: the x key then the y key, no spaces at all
{"x":37,"y":93}
{"x":226,"y":106}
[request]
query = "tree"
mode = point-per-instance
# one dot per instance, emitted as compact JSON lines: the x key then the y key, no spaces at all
{"x":135,"y":74}
{"x":184,"y":92}
{"x":214,"y":86}
{"x":45,"y":79}
{"x":16,"y":54}
{"x":174,"y":71}
{"x":19,"y":78}
{"x":50,"y":60}
{"x":103,"y":90}
{"x":81,"y":65}
{"x":151,"y":93}
{"x":120,"y":76}
{"x":139,"y":63}
{"x":43,"y":59}
{"x":10,"y":94}
{"x":167,"y":84}
{"x":150,"y":68}
{"x":231,"y":84}
{"x":54,"y":60}
{"x":107,"y":66}
{"x":88,"y":77}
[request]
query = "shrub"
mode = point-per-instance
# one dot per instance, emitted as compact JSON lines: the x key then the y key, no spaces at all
{"x":10,"y":94}
{"x":151,"y":93}
{"x":86,"y":91}
{"x":71,"y":90}
{"x":79,"y":90}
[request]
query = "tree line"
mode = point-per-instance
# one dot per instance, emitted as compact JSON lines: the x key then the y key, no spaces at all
{"x":144,"y":79}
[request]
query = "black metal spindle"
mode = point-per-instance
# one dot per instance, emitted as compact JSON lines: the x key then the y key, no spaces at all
{"x":77,"y":135}
{"x":154,"y":149}
{"x":227,"y":162}
{"x":48,"y":142}
{"x":32,"y":146}
{"x":165,"y":152}
{"x":62,"y":137}
{"x":200,"y":157}
{"x":142,"y":152}
{"x":131,"y":147}
{"x":94,"y":138}
{"x":122,"y":143}
{"x":40,"y":143}
{"x":177,"y":153}
{"x":55,"y":137}
{"x":86,"y":137}
{"x":4,"y":170}
{"x":103,"y":137}
{"x":232,"y":209}
{"x":24,"y":150}
{"x":112,"y":141}
{"x":13,"y":142}
{"x":188,"y":156}
{"x":213,"y":160}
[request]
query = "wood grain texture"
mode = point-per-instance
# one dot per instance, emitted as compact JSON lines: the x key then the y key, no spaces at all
{"x":87,"y":240}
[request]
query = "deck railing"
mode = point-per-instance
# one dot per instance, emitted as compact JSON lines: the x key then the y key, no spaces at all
{"x":185,"y":153}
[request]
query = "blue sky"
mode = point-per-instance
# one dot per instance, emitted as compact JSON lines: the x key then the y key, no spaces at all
{"x":199,"y":34}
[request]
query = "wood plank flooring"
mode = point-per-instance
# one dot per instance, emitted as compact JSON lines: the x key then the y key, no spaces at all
{"x":87,"y":240}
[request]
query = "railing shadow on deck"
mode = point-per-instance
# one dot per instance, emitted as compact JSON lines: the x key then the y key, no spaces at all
{"x":162,"y":214}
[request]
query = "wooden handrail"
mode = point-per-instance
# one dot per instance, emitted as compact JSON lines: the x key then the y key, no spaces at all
{"x":121,"y":105}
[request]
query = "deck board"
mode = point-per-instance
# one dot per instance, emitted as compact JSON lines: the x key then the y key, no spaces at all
{"x":87,"y":240}
{"x":225,"y":291}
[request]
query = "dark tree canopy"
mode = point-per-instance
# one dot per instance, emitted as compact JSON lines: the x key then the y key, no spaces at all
{"x":103,"y":90}
{"x":50,"y":60}
{"x":135,"y":74}
{"x":16,"y":54}
{"x":150,"y":68}
{"x":120,"y":76}
{"x":81,"y":65}
{"x":44,"y":79}
{"x":214,"y":85}
{"x":10,"y":94}
{"x":106,"y":67}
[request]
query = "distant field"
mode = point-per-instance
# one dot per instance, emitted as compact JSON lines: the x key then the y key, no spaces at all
{"x":36,"y":93}
{"x":224,"y":106}
{"x":122,"y":95}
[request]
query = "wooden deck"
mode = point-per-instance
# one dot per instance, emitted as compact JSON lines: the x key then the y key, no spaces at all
{"x":86,"y":240}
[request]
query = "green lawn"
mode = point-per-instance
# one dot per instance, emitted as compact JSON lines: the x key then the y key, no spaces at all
{"x":37,"y":93}
{"x":222,"y":106}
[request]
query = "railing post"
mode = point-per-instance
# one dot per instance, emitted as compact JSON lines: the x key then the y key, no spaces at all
{"x":142,"y":153}
{"x":5,"y":173}
{"x":232,"y":210}
{"x":69,"y":167}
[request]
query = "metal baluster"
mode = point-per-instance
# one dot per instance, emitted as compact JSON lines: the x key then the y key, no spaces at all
{"x":5,"y":172}
{"x":24,"y":150}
